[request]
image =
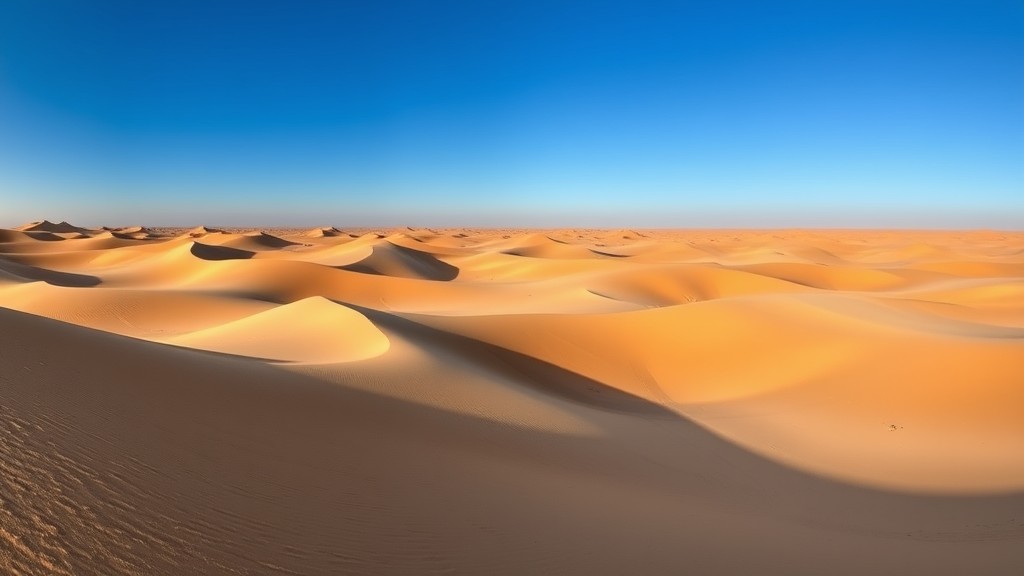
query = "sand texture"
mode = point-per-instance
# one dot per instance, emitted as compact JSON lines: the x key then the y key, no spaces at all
{"x":414,"y":401}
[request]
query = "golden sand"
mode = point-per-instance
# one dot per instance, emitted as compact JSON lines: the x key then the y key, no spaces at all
{"x":408,"y":401}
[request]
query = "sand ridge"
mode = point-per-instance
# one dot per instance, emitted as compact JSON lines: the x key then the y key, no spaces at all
{"x":346,"y":400}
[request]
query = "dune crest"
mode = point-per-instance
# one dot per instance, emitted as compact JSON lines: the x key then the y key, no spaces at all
{"x":312,"y":330}
{"x":203,"y":231}
{"x":329,"y":232}
{"x":47,"y":226}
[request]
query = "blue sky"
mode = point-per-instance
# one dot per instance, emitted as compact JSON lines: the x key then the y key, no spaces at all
{"x":660,"y":114}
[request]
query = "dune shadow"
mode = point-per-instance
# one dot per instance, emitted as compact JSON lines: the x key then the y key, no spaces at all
{"x":269,"y":240}
{"x":54,"y":277}
{"x":12,"y":236}
{"x":539,"y":375}
{"x":45,"y":236}
{"x":609,"y":254}
{"x":208,"y":252}
{"x":399,"y":261}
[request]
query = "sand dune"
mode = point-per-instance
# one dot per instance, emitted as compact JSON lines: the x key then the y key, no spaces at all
{"x":47,"y":226}
{"x":328,"y":231}
{"x":506,"y":402}
{"x":15,"y":236}
{"x":310,"y":330}
{"x":255,"y":241}
{"x":388,"y":259}
{"x":17,"y":272}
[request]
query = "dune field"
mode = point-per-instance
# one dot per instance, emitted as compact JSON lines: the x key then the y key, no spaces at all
{"x":461,"y":401}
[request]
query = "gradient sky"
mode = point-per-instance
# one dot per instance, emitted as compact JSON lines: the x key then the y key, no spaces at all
{"x":548,"y":113}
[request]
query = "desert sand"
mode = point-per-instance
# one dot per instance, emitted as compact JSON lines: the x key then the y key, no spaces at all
{"x":414,"y":401}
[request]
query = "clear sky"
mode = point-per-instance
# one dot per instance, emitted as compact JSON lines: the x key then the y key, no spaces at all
{"x":528,"y":113}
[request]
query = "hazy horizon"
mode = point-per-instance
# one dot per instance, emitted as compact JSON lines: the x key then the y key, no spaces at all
{"x":565,"y":114}
{"x":550,"y":222}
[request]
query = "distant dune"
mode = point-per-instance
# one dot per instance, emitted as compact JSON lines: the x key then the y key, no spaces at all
{"x":357,"y":401}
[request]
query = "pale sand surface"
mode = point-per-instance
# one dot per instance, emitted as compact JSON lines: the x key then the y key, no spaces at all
{"x":511,"y":402}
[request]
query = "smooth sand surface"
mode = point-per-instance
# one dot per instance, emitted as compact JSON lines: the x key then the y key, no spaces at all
{"x":413,"y":401}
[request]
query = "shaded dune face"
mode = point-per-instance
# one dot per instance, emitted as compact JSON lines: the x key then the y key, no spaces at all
{"x":389,"y":259}
{"x":208,"y":252}
{"x":409,"y":401}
